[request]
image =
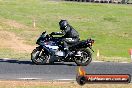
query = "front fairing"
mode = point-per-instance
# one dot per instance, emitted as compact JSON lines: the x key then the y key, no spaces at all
{"x":43,"y":37}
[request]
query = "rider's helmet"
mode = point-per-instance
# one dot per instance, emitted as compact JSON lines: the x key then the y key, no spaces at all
{"x":63,"y":24}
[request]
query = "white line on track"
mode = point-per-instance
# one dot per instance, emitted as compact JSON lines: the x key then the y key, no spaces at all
{"x":65,"y":79}
{"x":29,"y":78}
{"x":6,"y":58}
{"x":98,"y":61}
{"x":43,"y":79}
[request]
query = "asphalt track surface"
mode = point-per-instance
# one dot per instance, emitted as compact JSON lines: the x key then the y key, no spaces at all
{"x":26,"y":70}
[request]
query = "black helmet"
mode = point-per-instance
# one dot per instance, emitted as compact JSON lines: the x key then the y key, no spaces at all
{"x":63,"y":24}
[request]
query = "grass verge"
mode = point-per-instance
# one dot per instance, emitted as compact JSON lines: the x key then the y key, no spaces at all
{"x":109,"y":24}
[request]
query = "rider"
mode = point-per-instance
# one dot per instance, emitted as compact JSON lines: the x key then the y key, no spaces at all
{"x":70,"y":35}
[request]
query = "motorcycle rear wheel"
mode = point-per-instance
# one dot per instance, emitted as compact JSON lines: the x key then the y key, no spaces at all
{"x":38,"y":57}
{"x":85,"y":58}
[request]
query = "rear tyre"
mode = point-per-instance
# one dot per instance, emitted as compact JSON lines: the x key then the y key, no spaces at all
{"x":85,"y":59}
{"x":38,"y":56}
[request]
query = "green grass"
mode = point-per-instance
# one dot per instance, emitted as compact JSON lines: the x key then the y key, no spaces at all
{"x":9,"y":53}
{"x":109,"y":24}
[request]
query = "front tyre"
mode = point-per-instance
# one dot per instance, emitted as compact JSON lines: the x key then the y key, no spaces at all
{"x":38,"y":56}
{"x":85,"y":59}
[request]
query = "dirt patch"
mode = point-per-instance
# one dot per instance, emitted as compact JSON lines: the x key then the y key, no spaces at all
{"x":53,"y":84}
{"x":33,"y":83}
{"x":13,"y":23}
{"x":10,"y":40}
{"x":17,"y":25}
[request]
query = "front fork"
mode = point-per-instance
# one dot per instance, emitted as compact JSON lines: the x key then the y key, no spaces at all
{"x":91,"y":48}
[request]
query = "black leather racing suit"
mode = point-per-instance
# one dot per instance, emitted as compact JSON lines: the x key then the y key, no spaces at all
{"x":70,"y":36}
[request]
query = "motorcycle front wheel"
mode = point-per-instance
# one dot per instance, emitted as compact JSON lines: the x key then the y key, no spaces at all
{"x":85,"y":59}
{"x":38,"y":57}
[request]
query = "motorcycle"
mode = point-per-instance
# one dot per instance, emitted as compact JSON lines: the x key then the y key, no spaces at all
{"x":51,"y":50}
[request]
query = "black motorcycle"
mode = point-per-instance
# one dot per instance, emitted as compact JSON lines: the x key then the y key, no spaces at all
{"x":51,"y":50}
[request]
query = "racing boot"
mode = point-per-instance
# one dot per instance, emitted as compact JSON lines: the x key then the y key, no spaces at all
{"x":67,"y":52}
